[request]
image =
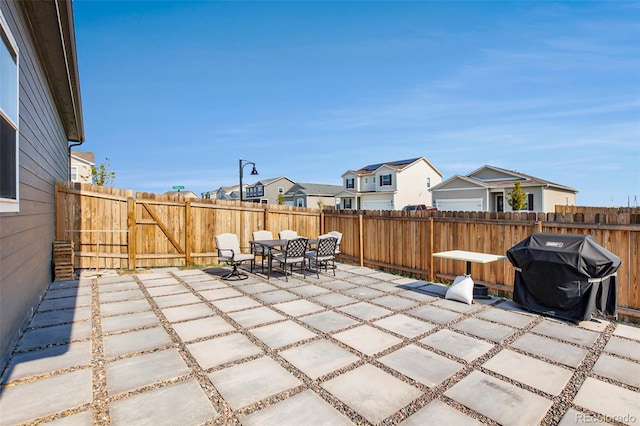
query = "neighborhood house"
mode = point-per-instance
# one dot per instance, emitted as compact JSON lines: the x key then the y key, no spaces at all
{"x":487,"y":189}
{"x":389,"y":186}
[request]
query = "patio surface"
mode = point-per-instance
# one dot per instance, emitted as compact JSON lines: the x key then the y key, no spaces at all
{"x":184,"y":347}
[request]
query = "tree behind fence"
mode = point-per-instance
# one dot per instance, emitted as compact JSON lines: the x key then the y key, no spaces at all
{"x":117,"y":229}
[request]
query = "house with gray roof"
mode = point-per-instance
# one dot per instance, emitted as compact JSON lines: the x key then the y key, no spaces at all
{"x":487,"y":188}
{"x":312,"y":195}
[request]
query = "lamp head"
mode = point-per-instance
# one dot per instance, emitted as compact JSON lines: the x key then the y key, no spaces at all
{"x":254,"y":171}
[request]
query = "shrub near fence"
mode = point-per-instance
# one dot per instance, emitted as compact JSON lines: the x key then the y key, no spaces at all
{"x":113,"y":228}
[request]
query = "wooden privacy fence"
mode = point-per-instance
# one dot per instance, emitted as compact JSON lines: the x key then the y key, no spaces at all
{"x":114,"y":229}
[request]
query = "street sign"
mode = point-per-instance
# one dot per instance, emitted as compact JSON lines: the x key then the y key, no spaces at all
{"x":178,"y":187}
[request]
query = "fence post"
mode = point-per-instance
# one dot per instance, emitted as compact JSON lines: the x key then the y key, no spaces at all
{"x":361,"y":238}
{"x":131,"y":232}
{"x":430,"y":250}
{"x":188,"y":232}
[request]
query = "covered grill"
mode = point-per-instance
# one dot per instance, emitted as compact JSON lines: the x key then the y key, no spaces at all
{"x":567,"y":276}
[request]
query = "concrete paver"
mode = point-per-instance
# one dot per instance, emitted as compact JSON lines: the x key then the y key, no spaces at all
{"x":220,"y":350}
{"x":541,"y":375}
{"x":394,"y":302}
{"x":502,"y":402}
{"x":459,"y":345}
{"x":365,"y":311}
{"x":252,"y":381}
{"x":329,"y":321}
{"x":364,"y":292}
{"x":282,"y":334}
{"x":57,"y":334}
{"x":42,"y":361}
{"x":421,"y":365}
{"x":305,"y":408}
{"x":620,"y":404}
{"x":220,"y":293}
{"x":505,"y":317}
{"x":333,"y":299}
{"x":277,"y":296}
{"x":624,"y":330}
{"x":439,"y":413}
{"x":130,"y":373}
{"x":484,"y":329}
{"x":124,"y":307}
{"x":566,"y":332}
{"x":561,"y":352}
{"x":182,"y":313}
{"x":318,"y":358}
{"x":618,"y":369}
{"x":62,"y":316}
{"x":623,"y":347}
{"x":135,"y":341}
{"x":298,"y":307}
{"x":29,"y":401}
{"x":235,"y":304}
{"x":404,"y":325}
{"x":367,"y":339}
{"x":158,"y":406}
{"x":202,"y":327}
{"x":372,"y":392}
{"x":129,"y":321}
{"x":433,"y":314}
{"x":256,"y":316}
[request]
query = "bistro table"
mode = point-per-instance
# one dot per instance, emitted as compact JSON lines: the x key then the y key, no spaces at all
{"x":275,"y":245}
{"x":269,"y":246}
{"x":469,"y":257}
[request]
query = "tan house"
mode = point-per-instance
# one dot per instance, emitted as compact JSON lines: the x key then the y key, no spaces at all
{"x":266,"y":191}
{"x":81,"y":163}
{"x":312,"y":195}
{"x":487,"y":188}
{"x":40,"y":113}
{"x":389,"y":186}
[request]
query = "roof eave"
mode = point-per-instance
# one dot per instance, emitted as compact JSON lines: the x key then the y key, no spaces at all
{"x":52,"y":28}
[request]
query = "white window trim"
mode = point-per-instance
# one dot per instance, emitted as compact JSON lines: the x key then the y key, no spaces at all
{"x":10,"y":205}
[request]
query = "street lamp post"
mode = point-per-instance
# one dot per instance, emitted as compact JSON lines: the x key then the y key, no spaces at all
{"x":241,"y":165}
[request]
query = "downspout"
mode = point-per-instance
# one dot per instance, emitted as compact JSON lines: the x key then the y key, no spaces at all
{"x":69,"y":158}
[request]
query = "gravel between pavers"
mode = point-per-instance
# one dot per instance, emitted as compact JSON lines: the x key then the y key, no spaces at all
{"x":227,"y":416}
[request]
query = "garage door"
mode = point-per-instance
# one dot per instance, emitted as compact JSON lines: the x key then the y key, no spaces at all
{"x":377,"y":205}
{"x":471,"y":205}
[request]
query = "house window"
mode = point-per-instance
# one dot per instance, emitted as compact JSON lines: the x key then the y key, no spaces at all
{"x":350,"y":183}
{"x":8,"y":120}
{"x":280,"y":190}
{"x":347,"y":203}
{"x":74,"y":173}
{"x":385,"y":180}
{"x":366,"y":180}
{"x":428,"y":182}
{"x":300,"y":202}
{"x":530,"y":202}
{"x":500,"y":203}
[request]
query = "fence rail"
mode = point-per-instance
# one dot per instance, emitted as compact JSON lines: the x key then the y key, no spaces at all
{"x":151,"y":230}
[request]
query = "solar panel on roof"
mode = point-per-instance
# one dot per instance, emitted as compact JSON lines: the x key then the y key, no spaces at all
{"x":372,"y":167}
{"x":402,"y":162}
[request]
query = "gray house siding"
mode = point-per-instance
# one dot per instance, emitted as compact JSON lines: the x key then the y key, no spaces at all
{"x":26,"y":237}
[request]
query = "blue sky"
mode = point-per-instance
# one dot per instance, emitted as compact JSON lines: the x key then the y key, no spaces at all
{"x":175,"y":92}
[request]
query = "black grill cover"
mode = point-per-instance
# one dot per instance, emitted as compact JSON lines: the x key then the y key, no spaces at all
{"x":567,"y":276}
